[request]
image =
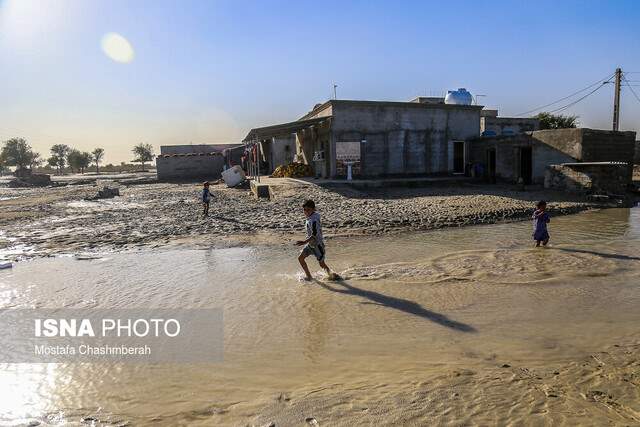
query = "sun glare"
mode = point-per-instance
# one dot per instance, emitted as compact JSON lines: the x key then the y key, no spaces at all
{"x":117,"y":48}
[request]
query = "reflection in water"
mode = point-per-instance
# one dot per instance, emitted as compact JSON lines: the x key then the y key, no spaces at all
{"x":408,"y":302}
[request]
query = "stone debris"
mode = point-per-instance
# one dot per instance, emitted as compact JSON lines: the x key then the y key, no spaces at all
{"x":105,"y":193}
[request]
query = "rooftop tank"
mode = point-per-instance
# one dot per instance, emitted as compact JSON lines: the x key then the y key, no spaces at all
{"x":458,"y":97}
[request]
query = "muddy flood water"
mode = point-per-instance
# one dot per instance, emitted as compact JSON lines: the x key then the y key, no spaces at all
{"x":421,"y":323}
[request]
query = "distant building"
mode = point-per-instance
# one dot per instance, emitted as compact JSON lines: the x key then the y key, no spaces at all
{"x":528,"y":155}
{"x":424,"y":136}
{"x":492,"y":125}
{"x":178,"y":162}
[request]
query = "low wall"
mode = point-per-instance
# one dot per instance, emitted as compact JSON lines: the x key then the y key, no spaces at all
{"x":589,"y":178}
{"x":195,"y":149}
{"x":189,"y":166}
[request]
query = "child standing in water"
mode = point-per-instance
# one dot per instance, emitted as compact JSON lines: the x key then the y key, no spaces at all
{"x":540,"y":220}
{"x":206,"y":198}
{"x":314,"y":243}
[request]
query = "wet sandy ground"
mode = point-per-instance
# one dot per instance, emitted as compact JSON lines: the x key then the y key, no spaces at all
{"x":456,"y":326}
{"x":50,"y":221}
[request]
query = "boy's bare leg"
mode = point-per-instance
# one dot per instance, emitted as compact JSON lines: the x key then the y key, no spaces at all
{"x":537,"y":243}
{"x":325,"y":267}
{"x":304,"y":265}
{"x":544,"y":242}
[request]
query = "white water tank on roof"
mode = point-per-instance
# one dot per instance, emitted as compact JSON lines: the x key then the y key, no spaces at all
{"x":458,"y":97}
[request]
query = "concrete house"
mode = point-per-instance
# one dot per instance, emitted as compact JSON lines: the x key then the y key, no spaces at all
{"x":493,"y":125}
{"x":386,"y":139}
{"x":188,"y":161}
{"x":529,"y":155}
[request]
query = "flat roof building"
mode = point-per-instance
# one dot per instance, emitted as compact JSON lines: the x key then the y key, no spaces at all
{"x":529,"y":154}
{"x":493,"y":125}
{"x":384,"y":138}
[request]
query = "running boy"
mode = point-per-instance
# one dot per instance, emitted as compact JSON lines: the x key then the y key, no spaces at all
{"x":206,"y":198}
{"x":314,"y":243}
{"x":540,"y":220}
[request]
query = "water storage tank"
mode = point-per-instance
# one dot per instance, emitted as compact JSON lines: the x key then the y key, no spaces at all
{"x":233,"y":176}
{"x":458,"y":97}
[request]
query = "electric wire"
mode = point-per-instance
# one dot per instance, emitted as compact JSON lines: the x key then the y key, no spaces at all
{"x":578,"y":100}
{"x":630,"y":88}
{"x":601,"y":82}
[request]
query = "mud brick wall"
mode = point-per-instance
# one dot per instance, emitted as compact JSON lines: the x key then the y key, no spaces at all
{"x":193,"y":166}
{"x":607,"y":146}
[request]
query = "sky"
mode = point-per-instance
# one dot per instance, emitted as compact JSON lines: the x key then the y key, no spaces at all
{"x":208,"y":71}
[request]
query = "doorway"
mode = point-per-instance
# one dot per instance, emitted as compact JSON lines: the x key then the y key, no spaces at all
{"x":458,"y":156}
{"x":526,"y":164}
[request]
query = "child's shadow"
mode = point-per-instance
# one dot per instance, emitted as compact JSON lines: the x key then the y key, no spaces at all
{"x":401,"y":304}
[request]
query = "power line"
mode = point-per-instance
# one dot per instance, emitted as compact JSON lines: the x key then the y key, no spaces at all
{"x":630,"y":88}
{"x":578,"y":100}
{"x":601,"y":82}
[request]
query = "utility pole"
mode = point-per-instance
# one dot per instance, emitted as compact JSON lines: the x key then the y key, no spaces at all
{"x":335,"y":93}
{"x":616,"y":100}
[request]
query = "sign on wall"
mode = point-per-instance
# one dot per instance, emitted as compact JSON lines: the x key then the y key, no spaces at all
{"x":348,"y":151}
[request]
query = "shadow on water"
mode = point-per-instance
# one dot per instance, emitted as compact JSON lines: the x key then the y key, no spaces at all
{"x":600,"y":254}
{"x":401,"y":304}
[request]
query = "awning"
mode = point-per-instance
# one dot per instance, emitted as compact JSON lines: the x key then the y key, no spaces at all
{"x":282,"y":129}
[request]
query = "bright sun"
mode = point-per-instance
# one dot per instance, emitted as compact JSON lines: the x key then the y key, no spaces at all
{"x":117,"y":48}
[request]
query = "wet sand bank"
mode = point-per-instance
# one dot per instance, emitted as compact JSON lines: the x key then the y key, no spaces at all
{"x":41,"y":222}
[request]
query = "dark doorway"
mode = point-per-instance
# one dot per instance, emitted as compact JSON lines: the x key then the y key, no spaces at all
{"x":491,"y":165}
{"x":458,"y":156}
{"x":526,"y":164}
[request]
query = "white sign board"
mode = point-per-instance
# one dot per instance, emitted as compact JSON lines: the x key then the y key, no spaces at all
{"x":348,"y":151}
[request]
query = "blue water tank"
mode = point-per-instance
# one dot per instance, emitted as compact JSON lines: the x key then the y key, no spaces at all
{"x":458,"y":97}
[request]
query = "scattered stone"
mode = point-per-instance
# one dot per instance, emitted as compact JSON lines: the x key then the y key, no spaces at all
{"x":105,"y":193}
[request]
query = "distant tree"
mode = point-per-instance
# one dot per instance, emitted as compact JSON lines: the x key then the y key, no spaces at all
{"x":53,"y":162}
{"x":73,"y":159}
{"x":144,"y":153}
{"x":87,"y":159}
{"x":556,"y":121}
{"x":17,"y":152}
{"x":96,"y":156}
{"x":3,"y":167}
{"x":58,"y":157}
{"x":78,"y":160}
{"x":36,"y":161}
